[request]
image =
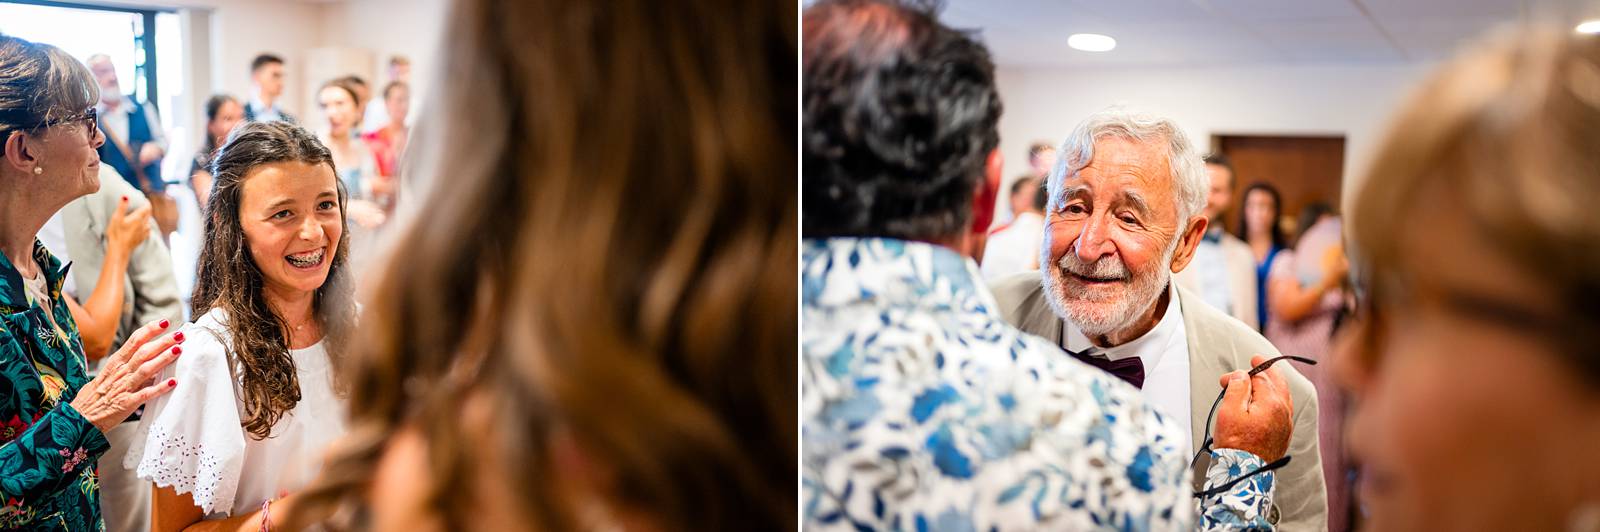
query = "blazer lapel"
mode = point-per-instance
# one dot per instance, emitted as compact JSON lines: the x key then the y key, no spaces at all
{"x":1207,"y":363}
{"x":1045,"y":321}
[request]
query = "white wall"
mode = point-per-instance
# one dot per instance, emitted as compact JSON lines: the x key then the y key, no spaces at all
{"x":296,"y":30}
{"x":386,"y":28}
{"x":241,"y":29}
{"x":1354,"y":100}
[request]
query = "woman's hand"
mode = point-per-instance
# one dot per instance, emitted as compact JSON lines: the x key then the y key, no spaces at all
{"x":127,"y":229}
{"x":124,"y":381}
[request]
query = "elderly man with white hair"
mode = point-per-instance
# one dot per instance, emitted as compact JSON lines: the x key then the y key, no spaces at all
{"x":1124,"y":214}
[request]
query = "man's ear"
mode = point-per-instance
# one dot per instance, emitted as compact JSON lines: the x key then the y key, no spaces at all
{"x":983,"y":202}
{"x":1189,"y":239}
{"x":983,"y":207}
{"x":18,"y":153}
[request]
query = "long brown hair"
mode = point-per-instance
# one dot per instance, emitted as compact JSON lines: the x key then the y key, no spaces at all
{"x":228,"y":278}
{"x":609,"y":252}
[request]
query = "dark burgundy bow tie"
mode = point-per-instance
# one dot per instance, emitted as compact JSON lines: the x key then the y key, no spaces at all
{"x":1129,"y":369}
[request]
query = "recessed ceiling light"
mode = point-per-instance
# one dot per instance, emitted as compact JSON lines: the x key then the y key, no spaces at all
{"x":1589,"y":26}
{"x":1091,"y":42}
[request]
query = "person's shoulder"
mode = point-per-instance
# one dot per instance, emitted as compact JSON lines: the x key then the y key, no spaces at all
{"x":1230,"y":339}
{"x":1018,"y":293}
{"x":1102,"y":417}
{"x":1235,"y":244}
{"x":205,"y":340}
{"x":1213,"y":322}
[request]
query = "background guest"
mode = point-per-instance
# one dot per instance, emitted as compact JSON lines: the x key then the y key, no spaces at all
{"x":223,"y":112}
{"x":266,"y":86}
{"x":1222,"y":272}
{"x":377,"y":116}
{"x":357,"y":166}
{"x":1305,"y":296}
{"x":388,"y":143}
{"x":1258,"y":226}
{"x":1014,"y":247}
{"x":135,"y":142}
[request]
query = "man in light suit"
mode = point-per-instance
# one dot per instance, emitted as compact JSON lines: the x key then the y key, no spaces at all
{"x":1124,"y":213}
{"x":149,"y":294}
{"x":1223,"y":271}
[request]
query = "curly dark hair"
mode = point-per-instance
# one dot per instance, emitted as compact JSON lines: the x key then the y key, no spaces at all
{"x":900,"y":115}
{"x":229,"y":279}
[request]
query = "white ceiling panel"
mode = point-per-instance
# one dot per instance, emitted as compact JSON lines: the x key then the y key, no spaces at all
{"x":1152,"y":32}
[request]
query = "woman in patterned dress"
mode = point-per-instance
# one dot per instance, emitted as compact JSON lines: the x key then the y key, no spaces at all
{"x":53,"y":417}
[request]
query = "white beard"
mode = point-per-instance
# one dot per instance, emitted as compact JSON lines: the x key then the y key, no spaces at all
{"x":1102,"y":310}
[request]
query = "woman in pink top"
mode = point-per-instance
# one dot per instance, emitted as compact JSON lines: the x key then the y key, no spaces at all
{"x":1305,"y":296}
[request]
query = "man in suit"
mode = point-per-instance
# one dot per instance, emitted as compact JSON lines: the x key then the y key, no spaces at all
{"x":266,"y":86}
{"x":1223,"y":272}
{"x":135,"y":142}
{"x":1125,"y":211}
{"x":149,"y":293}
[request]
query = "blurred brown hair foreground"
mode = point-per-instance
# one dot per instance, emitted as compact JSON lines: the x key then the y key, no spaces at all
{"x":606,"y":263}
{"x":1510,"y":135}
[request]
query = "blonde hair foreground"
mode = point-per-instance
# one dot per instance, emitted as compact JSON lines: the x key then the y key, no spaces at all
{"x":1510,"y":135}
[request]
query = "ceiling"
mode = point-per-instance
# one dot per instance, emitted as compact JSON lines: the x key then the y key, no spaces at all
{"x":1200,"y":32}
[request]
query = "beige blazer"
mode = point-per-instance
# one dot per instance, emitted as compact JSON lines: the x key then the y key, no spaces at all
{"x":149,"y":290}
{"x":1217,"y":344}
{"x":1240,"y":263}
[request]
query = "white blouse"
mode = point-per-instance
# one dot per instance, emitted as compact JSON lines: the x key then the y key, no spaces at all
{"x":193,"y":440}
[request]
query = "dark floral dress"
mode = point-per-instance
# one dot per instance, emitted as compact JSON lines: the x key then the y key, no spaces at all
{"x":48,"y":450}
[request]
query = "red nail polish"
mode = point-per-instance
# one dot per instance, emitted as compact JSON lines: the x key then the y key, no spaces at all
{"x":172,"y":383}
{"x":177,"y":350}
{"x":178,"y":337}
{"x":164,"y":324}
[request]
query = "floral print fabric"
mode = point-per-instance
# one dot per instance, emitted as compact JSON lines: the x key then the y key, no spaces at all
{"x":47,"y":449}
{"x":922,"y":409}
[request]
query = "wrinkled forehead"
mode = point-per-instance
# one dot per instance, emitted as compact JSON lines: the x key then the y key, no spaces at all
{"x":1120,"y":166}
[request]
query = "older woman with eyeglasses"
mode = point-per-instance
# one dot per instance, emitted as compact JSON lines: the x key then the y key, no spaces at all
{"x":1475,"y":359}
{"x":53,"y":417}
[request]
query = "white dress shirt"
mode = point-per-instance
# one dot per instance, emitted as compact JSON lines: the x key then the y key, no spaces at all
{"x":264,"y":112}
{"x":115,"y":122}
{"x":1164,"y":350}
{"x":1211,"y":267}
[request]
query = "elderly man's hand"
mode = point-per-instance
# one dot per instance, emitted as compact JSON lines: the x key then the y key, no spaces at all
{"x":1256,"y":415}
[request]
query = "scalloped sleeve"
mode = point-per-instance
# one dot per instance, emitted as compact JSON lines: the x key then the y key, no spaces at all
{"x":191,"y":438}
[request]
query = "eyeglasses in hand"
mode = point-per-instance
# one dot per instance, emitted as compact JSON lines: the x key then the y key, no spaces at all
{"x":1206,"y":445}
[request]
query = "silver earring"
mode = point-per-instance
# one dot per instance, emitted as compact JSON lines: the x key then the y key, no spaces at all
{"x":38,"y":170}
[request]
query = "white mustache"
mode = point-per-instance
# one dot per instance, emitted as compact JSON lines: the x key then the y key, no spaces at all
{"x":1108,"y":268}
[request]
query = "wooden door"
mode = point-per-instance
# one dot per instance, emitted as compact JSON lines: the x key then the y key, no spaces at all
{"x":1304,"y":170}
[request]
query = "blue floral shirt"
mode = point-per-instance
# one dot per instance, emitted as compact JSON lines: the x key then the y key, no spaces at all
{"x":922,"y":409}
